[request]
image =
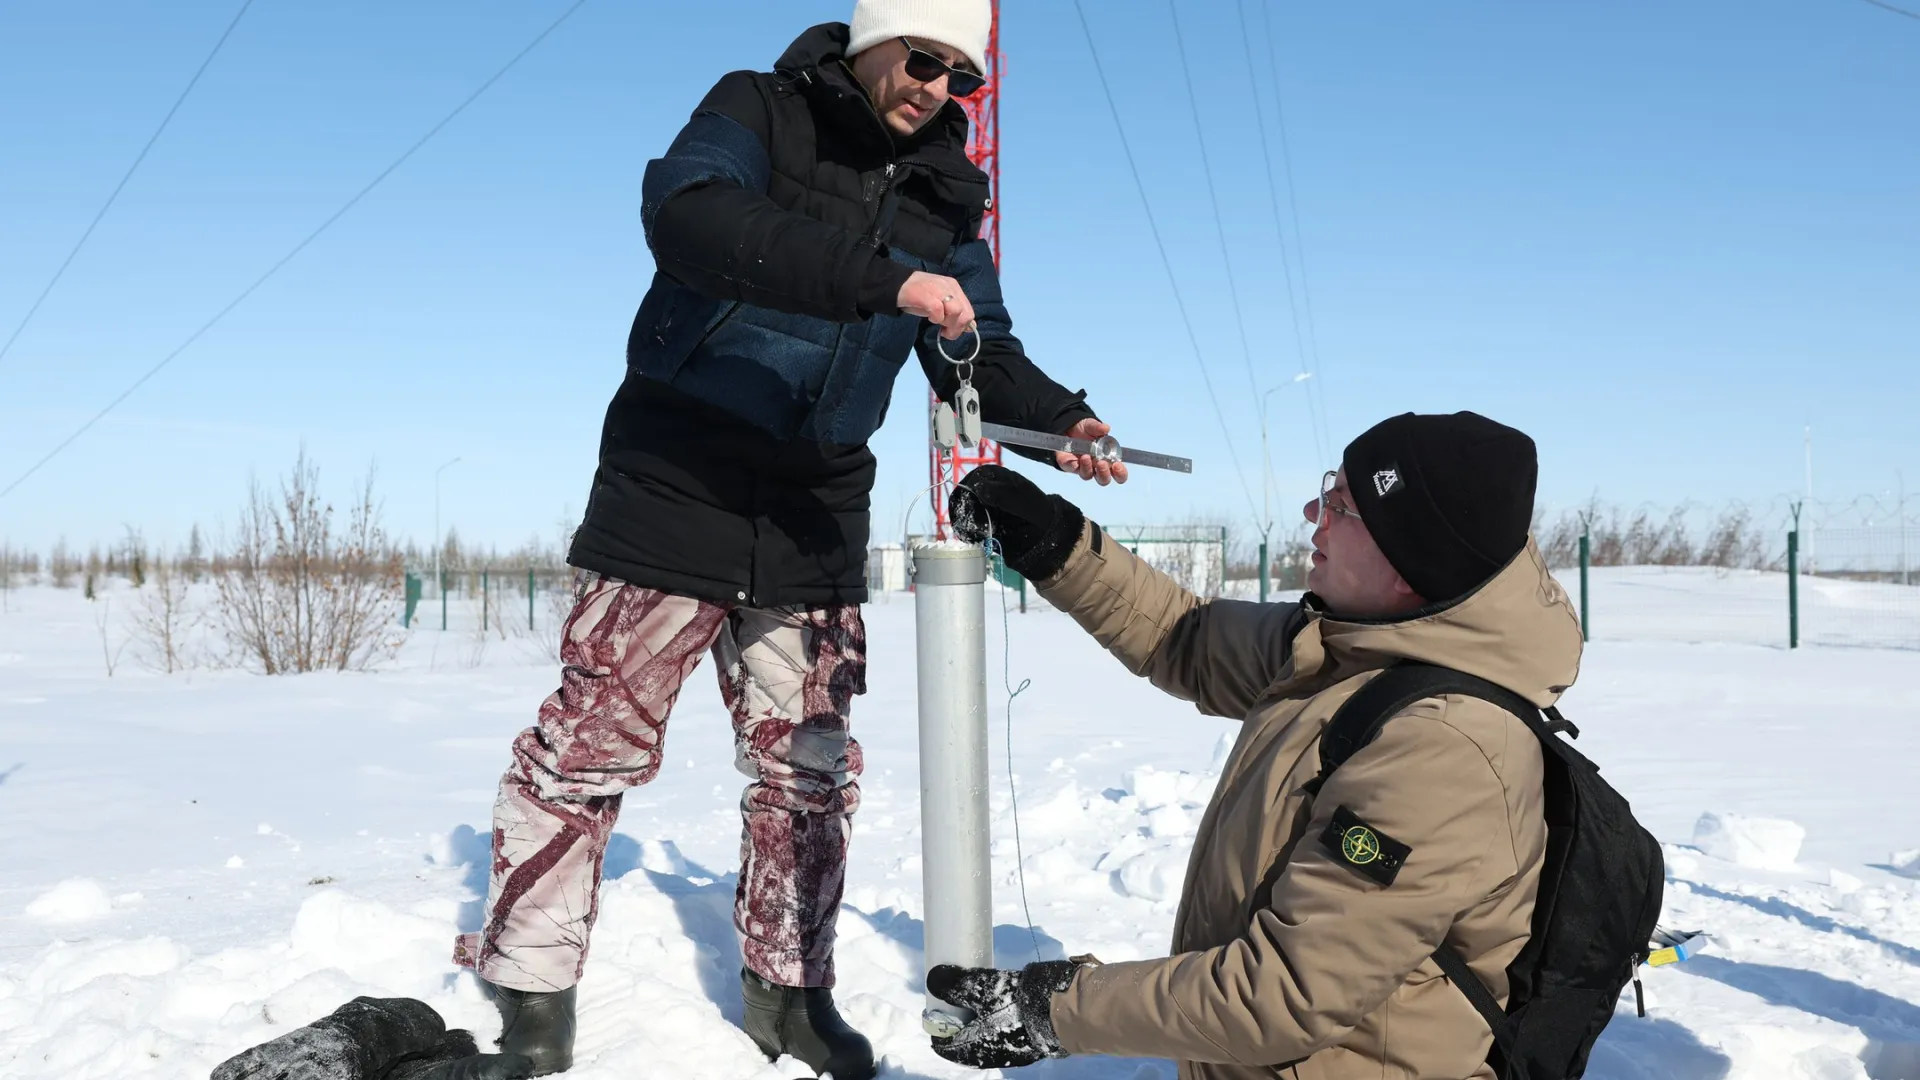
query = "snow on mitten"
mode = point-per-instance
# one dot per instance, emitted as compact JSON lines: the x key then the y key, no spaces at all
{"x":1013,"y":1014}
{"x":361,"y":1040}
{"x":1036,"y":531}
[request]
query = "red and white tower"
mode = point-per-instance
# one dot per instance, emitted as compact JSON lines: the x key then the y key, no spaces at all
{"x":983,"y":147}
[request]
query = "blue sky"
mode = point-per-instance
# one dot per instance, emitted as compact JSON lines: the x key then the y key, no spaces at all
{"x":1661,"y":238}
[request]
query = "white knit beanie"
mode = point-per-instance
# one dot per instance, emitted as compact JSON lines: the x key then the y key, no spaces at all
{"x":958,"y":24}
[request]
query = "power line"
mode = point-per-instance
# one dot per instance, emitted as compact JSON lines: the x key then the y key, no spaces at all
{"x":1166,"y":263}
{"x":128,"y":175}
{"x":1316,"y":412}
{"x":1895,"y":10}
{"x":1213,"y":199}
{"x":1318,"y":387}
{"x":297,"y":249}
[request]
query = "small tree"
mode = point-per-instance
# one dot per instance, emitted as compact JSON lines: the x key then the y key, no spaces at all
{"x":62,"y":565}
{"x":136,"y":557}
{"x":161,"y":620}
{"x":195,"y":563}
{"x":298,"y":594}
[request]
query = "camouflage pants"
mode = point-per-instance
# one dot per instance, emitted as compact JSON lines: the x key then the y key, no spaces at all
{"x":787,"y":676}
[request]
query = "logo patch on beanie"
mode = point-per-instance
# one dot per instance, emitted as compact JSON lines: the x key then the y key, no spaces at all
{"x":1387,"y":481}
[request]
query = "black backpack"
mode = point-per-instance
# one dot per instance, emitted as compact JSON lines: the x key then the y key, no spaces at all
{"x":1600,"y":887}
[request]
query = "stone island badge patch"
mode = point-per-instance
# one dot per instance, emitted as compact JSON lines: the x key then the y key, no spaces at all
{"x":1363,"y":848}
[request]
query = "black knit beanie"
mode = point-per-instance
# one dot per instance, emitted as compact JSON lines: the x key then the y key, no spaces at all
{"x":1449,"y":499}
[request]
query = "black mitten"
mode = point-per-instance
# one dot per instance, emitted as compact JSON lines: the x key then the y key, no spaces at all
{"x":1013,"y":1014}
{"x":361,"y":1040}
{"x":1036,"y":531}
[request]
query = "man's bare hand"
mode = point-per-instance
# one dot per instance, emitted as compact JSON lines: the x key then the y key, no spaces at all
{"x":1085,"y":466}
{"x":939,"y":300}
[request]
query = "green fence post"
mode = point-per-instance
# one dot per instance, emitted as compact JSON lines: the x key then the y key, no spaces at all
{"x":1586,"y":557}
{"x":1793,"y":581}
{"x":486,"y":598}
{"x":529,"y":599}
{"x":1263,"y":569}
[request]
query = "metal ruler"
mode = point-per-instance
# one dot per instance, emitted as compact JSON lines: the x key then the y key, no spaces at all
{"x":1106,"y":448}
{"x":960,"y":423}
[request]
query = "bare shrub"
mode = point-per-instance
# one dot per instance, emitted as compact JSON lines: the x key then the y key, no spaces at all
{"x":161,"y":620}
{"x":295,"y":595}
{"x":103,"y":621}
{"x":1733,"y":541}
{"x":62,"y":566}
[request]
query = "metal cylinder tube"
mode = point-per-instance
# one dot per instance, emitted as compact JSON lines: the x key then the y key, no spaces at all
{"x":951,"y":641}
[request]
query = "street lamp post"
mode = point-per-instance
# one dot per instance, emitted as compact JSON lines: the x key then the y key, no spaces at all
{"x":438,"y":581}
{"x":1266,"y":479}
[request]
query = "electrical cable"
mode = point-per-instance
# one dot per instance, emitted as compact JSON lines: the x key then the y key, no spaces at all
{"x":297,"y":249}
{"x":1318,"y":387}
{"x":1316,"y":413}
{"x":1213,"y":200}
{"x":1154,"y":228}
{"x":121,"y":186}
{"x":1895,"y":10}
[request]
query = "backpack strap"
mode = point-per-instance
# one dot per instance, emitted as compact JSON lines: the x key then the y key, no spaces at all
{"x":1358,"y":722}
{"x":1388,"y":694}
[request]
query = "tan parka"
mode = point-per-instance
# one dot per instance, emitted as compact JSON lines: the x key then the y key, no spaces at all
{"x":1288,"y":958}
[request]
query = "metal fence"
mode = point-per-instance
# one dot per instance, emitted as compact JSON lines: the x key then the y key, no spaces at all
{"x":507,"y":597}
{"x":1193,"y":555}
{"x":1853,"y":586}
{"x":1859,"y":586}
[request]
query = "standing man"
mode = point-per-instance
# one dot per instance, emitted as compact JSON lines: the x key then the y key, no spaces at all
{"x":811,"y":227}
{"x":1315,"y":904}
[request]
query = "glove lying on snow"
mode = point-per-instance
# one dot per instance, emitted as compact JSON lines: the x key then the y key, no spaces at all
{"x":1013,"y":1017}
{"x":374,"y":1039}
{"x":1036,"y":531}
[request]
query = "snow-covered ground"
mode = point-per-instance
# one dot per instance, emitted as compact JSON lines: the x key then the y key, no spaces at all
{"x":198,"y":862}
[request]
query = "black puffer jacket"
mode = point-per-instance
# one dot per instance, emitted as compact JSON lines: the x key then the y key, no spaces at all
{"x":783,"y":221}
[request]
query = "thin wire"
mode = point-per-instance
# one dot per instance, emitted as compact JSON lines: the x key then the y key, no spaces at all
{"x":1013,"y":795}
{"x":1166,"y":263}
{"x":1316,"y":413}
{"x":1213,"y":199}
{"x":1895,"y":10}
{"x":1318,"y":389}
{"x":128,"y":175}
{"x":297,"y":249}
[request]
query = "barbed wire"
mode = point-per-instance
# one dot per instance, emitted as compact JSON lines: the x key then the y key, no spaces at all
{"x":1843,"y":512}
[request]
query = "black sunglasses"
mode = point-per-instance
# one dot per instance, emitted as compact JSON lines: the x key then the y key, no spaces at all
{"x":925,"y":67}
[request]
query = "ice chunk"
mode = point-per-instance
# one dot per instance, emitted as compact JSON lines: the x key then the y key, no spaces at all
{"x":1905,"y":863}
{"x":1753,"y":842}
{"x":71,"y":901}
{"x":1169,"y":821}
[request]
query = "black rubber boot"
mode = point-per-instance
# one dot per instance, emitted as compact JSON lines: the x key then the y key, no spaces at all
{"x":802,"y":1022}
{"x":538,"y":1025}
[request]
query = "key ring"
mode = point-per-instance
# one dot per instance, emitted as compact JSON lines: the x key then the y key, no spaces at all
{"x":940,"y":343}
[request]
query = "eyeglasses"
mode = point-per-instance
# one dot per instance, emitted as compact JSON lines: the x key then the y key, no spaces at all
{"x":1327,"y":483}
{"x":925,"y":67}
